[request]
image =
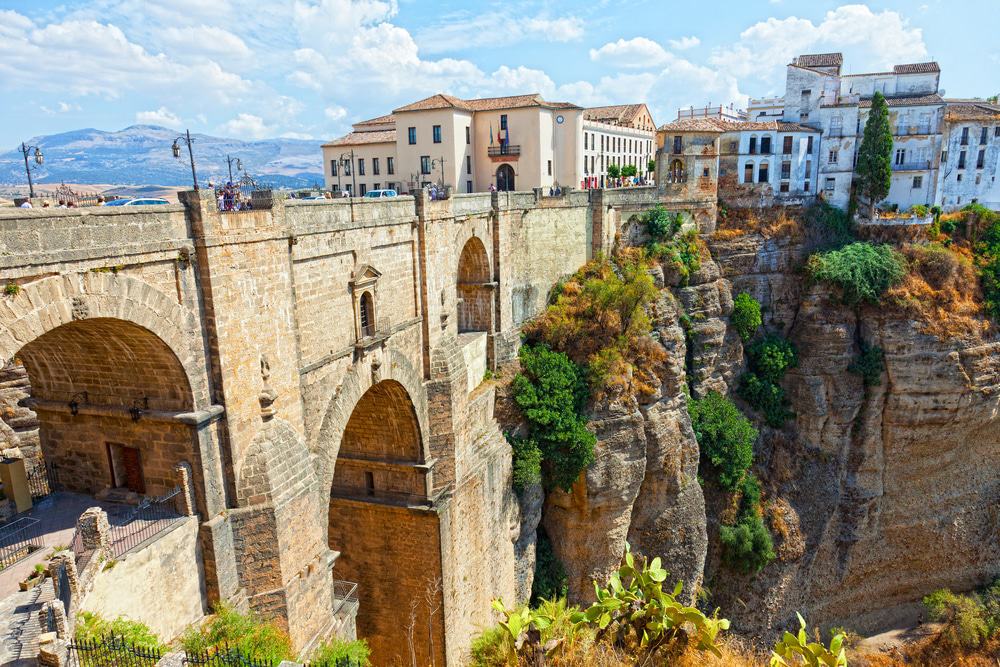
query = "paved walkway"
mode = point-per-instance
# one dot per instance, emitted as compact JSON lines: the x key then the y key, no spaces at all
{"x":19,"y":623}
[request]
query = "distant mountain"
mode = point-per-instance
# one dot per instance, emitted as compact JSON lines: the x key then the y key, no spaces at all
{"x":140,"y":155}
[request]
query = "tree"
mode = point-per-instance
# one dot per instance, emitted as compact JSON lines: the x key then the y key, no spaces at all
{"x":630,"y":170}
{"x":874,"y":170}
{"x":651,"y":166}
{"x":614,"y":171}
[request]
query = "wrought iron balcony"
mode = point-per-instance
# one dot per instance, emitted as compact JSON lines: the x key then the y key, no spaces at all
{"x":913,"y":165}
{"x":503,"y":150}
{"x":910,"y":130}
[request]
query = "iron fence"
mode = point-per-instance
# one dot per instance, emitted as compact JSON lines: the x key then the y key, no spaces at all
{"x":38,"y":482}
{"x":67,"y":196}
{"x":18,"y":539}
{"x":226,"y":657}
{"x":243,"y":195}
{"x":152,"y":516}
{"x":345,"y":597}
{"x":111,"y":651}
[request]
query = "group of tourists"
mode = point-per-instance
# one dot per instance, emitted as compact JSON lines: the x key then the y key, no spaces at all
{"x":229,"y":197}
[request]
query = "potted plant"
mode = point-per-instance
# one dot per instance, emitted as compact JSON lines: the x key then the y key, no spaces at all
{"x":37,"y":577}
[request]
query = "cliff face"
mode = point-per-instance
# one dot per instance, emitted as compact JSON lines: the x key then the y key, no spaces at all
{"x":882,"y":494}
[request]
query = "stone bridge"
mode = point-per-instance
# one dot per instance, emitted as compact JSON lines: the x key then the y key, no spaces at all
{"x":320,"y":366}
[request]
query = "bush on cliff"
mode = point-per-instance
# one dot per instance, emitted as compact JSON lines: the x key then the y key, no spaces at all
{"x":92,"y":627}
{"x":770,"y":358}
{"x":987,"y":252}
{"x":963,"y":617}
{"x":550,"y":581}
{"x":527,"y":462}
{"x":747,"y":546}
{"x":746,"y":316}
{"x":551,"y":392}
{"x":863,"y":271}
{"x":725,"y":438}
{"x":247,"y":633}
{"x":337,"y":652}
{"x":869,"y":365}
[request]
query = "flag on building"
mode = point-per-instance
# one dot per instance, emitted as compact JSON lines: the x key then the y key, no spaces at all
{"x":491,"y":134}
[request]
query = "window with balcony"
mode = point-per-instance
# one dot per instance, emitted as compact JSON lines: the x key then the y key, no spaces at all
{"x":375,"y":167}
{"x":900,"y":156}
{"x":361,"y":166}
{"x":786,"y":146}
{"x":390,"y":165}
{"x":425,"y":164}
{"x":436,"y":134}
{"x":411,"y":135}
{"x":965,"y":136}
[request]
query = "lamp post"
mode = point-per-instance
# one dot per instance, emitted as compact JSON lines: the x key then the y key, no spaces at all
{"x":347,"y":160}
{"x":39,"y":159}
{"x":186,"y":138}
{"x":439,"y":162}
{"x":230,"y":161}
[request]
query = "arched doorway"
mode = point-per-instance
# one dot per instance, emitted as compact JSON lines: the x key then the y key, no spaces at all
{"x":475,"y":297}
{"x":505,"y":178}
{"x":105,"y":392}
{"x":382,"y":526}
{"x":676,"y":173}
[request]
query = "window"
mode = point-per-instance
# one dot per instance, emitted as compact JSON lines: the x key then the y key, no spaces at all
{"x":809,"y":144}
{"x":585,"y":142}
{"x":918,"y":182}
{"x":762,"y":173}
{"x":468,"y":186}
{"x":376,"y":186}
{"x":765,"y":145}
{"x":900,"y":156}
{"x":592,"y":164}
{"x":333,"y":167}
{"x":961,"y":160}
{"x":411,"y":134}
{"x":704,"y":172}
{"x":347,"y":167}
{"x":784,"y":186}
{"x":753,"y":145}
{"x":836,"y":126}
{"x":830,"y":185}
{"x":602,"y":142}
{"x":833,"y":156}
{"x":981,"y":158}
{"x":375,"y":169}
{"x":370,"y":482}
{"x":786,"y":146}
{"x":503,"y":121}
{"x":748,"y":172}
{"x":468,"y":135}
{"x":982,"y":137}
{"x":436,"y":134}
{"x":350,"y":190}
{"x":468,"y":164}
{"x":959,"y":178}
{"x":805,"y":186}
{"x":362,"y":189}
{"x":390,"y":165}
{"x":786,"y":169}
{"x":361,"y":166}
{"x":979,"y":179}
{"x":944,"y":156}
{"x":550,"y":167}
{"x":965,"y":136}
{"x":367,"y":314}
{"x":678,"y":143}
{"x":425,"y":164}
{"x":996,"y":131}
{"x":809,"y":168}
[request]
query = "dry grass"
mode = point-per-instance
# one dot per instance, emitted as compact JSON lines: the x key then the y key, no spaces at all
{"x":930,"y":653}
{"x":771,"y":223}
{"x":941,"y":291}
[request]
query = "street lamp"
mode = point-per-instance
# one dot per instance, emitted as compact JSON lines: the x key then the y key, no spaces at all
{"x":230,"y":161}
{"x":346,"y":160}
{"x":39,"y":159}
{"x":176,"y":148}
{"x":439,"y":162}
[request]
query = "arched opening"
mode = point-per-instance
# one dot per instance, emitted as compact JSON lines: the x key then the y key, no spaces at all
{"x":367,"y":315}
{"x":676,"y":173}
{"x":505,"y":178}
{"x":475,"y":296}
{"x":381,"y":525}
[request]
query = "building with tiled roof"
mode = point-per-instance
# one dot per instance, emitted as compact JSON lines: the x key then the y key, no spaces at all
{"x":507,"y":142}
{"x":970,"y":154}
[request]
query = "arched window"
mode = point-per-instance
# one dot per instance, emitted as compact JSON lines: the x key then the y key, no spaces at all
{"x":676,"y":173}
{"x":367,"y":314}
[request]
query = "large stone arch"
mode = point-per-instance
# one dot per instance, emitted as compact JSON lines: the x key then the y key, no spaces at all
{"x":474,"y":287}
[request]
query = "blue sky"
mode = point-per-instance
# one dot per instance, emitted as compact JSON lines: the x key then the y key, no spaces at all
{"x":308,"y":68}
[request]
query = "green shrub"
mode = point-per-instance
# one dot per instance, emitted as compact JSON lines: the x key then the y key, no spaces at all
{"x":746,"y":315}
{"x":92,"y":627}
{"x":963,"y":617}
{"x":551,"y":392}
{"x":747,"y":546}
{"x":244,"y":632}
{"x":550,"y":582}
{"x":489,"y":649}
{"x":832,"y":225}
{"x":990,"y":597}
{"x":771,"y":356}
{"x":629,"y":171}
{"x":749,"y":495}
{"x":869,"y":365}
{"x":527,"y":462}
{"x":919,"y":210}
{"x":800,"y":650}
{"x":614,"y":171}
{"x":987,"y":254}
{"x":766,"y":397}
{"x":661,"y":224}
{"x":334,"y":652}
{"x":725,"y":438}
{"x":863,"y":271}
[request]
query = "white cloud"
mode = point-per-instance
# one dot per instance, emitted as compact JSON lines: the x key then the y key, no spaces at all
{"x":684,"y":43}
{"x":201,"y":41}
{"x":297,"y":135}
{"x":875,"y":41}
{"x":635,"y":52}
{"x":162,"y":116}
{"x":454,"y":32}
{"x":246,"y":126}
{"x":61,"y":107}
{"x":335,"y":112}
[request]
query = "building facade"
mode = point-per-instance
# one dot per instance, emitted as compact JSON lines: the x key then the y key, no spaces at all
{"x":970,"y":153}
{"x":509,"y":143}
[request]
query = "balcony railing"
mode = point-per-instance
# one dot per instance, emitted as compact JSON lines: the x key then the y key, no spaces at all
{"x":675,"y":178}
{"x":345,"y":597}
{"x":916,"y":165}
{"x":506,"y":149}
{"x":18,"y":539}
{"x":910,"y":130}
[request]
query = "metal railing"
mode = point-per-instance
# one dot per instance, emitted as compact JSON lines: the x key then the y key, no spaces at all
{"x":111,"y":650}
{"x":225,"y":657}
{"x":151,"y":517}
{"x":243,"y":195}
{"x":910,"y":130}
{"x":345,"y":597}
{"x":17,"y":540}
{"x":38,"y":482}
{"x":505,"y":149}
{"x":916,"y":165}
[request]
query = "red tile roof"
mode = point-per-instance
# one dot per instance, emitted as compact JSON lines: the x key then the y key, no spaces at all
{"x":439,"y":101}
{"x":916,"y":68}
{"x":819,"y":60}
{"x":722,"y":125}
{"x":362,"y":138}
{"x":619,"y":114}
{"x":906,"y":101}
{"x":380,"y":120}
{"x":970,"y":110}
{"x":442,"y":101}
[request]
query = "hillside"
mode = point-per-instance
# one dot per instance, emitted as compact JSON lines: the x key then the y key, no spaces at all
{"x":140,"y":155}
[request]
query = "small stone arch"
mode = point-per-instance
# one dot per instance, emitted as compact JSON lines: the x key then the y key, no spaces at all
{"x":474,"y":288}
{"x":676,"y":171}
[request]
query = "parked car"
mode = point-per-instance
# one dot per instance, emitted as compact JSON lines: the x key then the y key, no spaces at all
{"x":313,"y":198}
{"x":377,"y":194}
{"x":150,"y":201}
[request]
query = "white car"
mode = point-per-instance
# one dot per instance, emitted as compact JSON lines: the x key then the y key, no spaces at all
{"x":377,"y":194}
{"x":151,"y":201}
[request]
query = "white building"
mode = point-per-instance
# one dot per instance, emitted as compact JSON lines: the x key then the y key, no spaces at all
{"x":622,"y":135}
{"x":970,"y":155}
